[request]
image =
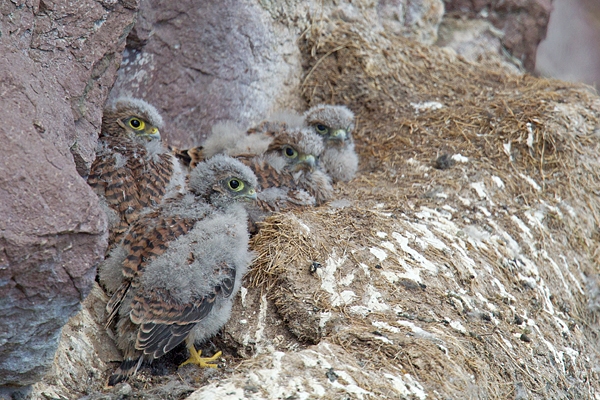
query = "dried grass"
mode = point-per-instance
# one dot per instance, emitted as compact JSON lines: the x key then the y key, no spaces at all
{"x":550,"y":127}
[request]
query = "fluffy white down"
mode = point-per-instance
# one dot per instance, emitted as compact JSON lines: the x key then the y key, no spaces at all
{"x":110,"y":272}
{"x":147,"y":110}
{"x":102,"y":148}
{"x":230,"y":139}
{"x":154,"y":148}
{"x":177,"y":182}
{"x":282,"y":198}
{"x":214,"y":321}
{"x":120,"y":160}
{"x":188,"y":207}
{"x":309,"y":142}
{"x":203,"y":177}
{"x":273,"y":194}
{"x":340,"y":164}
{"x":275,"y":160}
{"x":291,"y":118}
{"x":221,"y":238}
{"x":111,"y":215}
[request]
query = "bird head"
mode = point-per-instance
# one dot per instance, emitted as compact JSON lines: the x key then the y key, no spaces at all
{"x":296,"y":160}
{"x":332,"y":123}
{"x":236,"y":188}
{"x":223,"y":180}
{"x":329,"y":133}
{"x":136,"y":126}
{"x":299,"y":149}
{"x":134,"y":118}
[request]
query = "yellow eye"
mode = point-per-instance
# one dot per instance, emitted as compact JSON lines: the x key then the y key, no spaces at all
{"x":137,"y":124}
{"x":290,"y":152}
{"x":235,"y":184}
{"x":154,"y":130}
{"x":321,"y":129}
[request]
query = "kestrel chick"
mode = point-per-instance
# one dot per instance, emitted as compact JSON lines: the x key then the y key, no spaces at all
{"x":130,"y":117}
{"x":335,"y":125}
{"x":181,"y":266}
{"x":287,"y":172}
{"x":230,"y":139}
{"x":133,"y":169}
{"x":278,"y":122}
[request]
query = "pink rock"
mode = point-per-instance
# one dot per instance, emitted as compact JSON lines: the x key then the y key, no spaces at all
{"x":202,"y":63}
{"x":571,"y":50}
{"x":59,"y":59}
{"x":523,"y":22}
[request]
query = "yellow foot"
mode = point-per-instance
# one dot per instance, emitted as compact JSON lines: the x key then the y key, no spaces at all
{"x":202,"y":362}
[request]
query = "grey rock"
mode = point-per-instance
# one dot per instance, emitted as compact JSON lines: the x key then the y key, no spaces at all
{"x":477,"y":40}
{"x":417,"y":19}
{"x":523,"y":22}
{"x":573,"y":34}
{"x":203,"y":63}
{"x":84,"y":354}
{"x":239,"y":59}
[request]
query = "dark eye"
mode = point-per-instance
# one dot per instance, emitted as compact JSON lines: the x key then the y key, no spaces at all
{"x":290,"y":152}
{"x":136,"y":124}
{"x":322,"y":129}
{"x":235,"y":185}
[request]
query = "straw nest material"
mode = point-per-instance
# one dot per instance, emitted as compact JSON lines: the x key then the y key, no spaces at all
{"x":464,"y":252}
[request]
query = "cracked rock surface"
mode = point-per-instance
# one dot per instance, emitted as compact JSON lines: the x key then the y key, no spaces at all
{"x":58,"y":62}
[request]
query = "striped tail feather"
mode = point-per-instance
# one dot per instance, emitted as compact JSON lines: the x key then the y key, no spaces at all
{"x":128,"y":368}
{"x":188,"y":157}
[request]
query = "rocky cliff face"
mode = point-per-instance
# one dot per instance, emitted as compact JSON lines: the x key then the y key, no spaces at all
{"x":471,"y":275}
{"x":239,"y":60}
{"x":59,"y":60}
{"x":572,"y":35}
{"x":522,"y":23}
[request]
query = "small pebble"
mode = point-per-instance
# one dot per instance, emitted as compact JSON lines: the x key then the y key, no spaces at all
{"x":444,"y":161}
{"x":124,"y":390}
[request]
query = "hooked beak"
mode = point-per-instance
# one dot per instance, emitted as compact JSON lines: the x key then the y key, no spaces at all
{"x":251,"y":195}
{"x":308,"y":159}
{"x":154,"y":135}
{"x":339,"y":134}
